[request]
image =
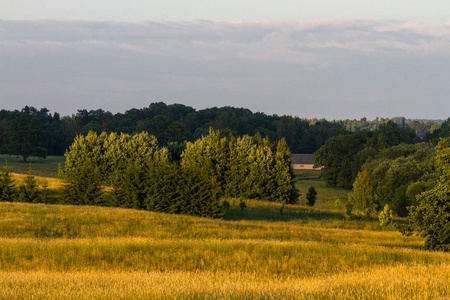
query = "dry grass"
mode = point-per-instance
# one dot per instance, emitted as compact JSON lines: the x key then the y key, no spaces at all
{"x":81,"y":252}
{"x":53,"y":183}
{"x":400,"y":282}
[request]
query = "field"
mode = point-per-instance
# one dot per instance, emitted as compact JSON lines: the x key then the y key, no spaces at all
{"x":265,"y":251}
{"x":47,"y":167}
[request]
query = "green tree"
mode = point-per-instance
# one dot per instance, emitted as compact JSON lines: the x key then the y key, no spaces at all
{"x":311,"y":196}
{"x":362,"y":198}
{"x":285,"y":190}
{"x":83,"y":187}
{"x":431,"y":216}
{"x":164,"y":188}
{"x":29,"y":191}
{"x":386,"y":216}
{"x":131,"y":186}
{"x":8,"y":190}
{"x":395,"y":170}
{"x":44,"y":193}
{"x":337,"y":157}
{"x":27,"y":138}
{"x":200,"y":194}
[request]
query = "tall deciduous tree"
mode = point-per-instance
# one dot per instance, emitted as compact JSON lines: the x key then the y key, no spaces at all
{"x":27,"y":138}
{"x":362,"y":198}
{"x":431,"y":216}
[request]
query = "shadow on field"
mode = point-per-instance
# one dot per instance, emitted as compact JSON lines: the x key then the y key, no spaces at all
{"x":274,"y":213}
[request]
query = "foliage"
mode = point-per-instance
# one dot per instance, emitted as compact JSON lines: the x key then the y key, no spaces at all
{"x":386,"y":216}
{"x":311,"y":196}
{"x":284,"y":189}
{"x":400,"y":172}
{"x":111,"y":153}
{"x":44,"y":193}
{"x":431,"y":216}
{"x":29,"y":191}
{"x":83,"y":187}
{"x":131,"y":185}
{"x":362,"y":198}
{"x":244,"y":167}
{"x":337,"y":159}
{"x":337,"y":204}
{"x":8,"y":190}
{"x":27,"y":138}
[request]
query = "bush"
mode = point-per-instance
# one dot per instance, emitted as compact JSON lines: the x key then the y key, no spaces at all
{"x":311,"y":196}
{"x":386,"y":216}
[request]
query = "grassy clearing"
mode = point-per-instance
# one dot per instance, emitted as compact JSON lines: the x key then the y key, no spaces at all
{"x":41,"y":167}
{"x":326,"y":196}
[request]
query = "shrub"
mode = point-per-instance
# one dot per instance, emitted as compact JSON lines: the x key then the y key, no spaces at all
{"x":311,"y":196}
{"x":386,"y":216}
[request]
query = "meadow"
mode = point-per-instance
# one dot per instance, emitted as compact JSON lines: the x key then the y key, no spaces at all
{"x":265,"y":251}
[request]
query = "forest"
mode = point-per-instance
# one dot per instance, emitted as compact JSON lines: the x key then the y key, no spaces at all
{"x":172,"y":125}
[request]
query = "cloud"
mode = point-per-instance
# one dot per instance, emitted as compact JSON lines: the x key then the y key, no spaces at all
{"x":350,"y":68}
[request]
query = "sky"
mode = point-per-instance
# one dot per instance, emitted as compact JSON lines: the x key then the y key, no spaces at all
{"x":311,"y":59}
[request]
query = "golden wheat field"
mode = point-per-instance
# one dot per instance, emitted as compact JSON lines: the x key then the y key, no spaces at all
{"x":262,"y":252}
{"x":75,"y":252}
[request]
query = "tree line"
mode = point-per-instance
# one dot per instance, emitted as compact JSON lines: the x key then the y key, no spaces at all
{"x":173,"y":125}
{"x":141,"y":175}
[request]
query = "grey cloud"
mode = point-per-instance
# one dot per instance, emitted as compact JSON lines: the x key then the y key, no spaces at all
{"x":347,"y":68}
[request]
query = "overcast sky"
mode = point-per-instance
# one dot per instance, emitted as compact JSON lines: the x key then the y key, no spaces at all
{"x":331,"y":59}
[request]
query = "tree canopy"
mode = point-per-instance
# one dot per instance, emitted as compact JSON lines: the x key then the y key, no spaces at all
{"x":27,"y":138}
{"x":430,"y":217}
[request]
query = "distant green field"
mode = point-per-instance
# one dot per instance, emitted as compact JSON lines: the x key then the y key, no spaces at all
{"x":47,"y":167}
{"x":326,"y":196}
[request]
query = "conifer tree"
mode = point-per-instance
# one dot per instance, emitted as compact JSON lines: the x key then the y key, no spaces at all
{"x":131,"y":187}
{"x":200,"y":194}
{"x":311,"y":196}
{"x":261,"y":173}
{"x":28,"y":191}
{"x":83,"y":187}
{"x":8,"y":190}
{"x":44,"y":194}
{"x":165,"y":184}
{"x":285,"y":190}
{"x":61,"y":174}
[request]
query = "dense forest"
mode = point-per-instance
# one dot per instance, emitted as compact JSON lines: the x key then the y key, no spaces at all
{"x":172,"y":125}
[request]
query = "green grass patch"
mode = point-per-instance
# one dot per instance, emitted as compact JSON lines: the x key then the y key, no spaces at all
{"x":326,"y":196}
{"x":47,"y":167}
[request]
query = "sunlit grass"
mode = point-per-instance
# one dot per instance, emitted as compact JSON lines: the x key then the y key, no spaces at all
{"x":410,"y":281}
{"x":53,"y":183}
